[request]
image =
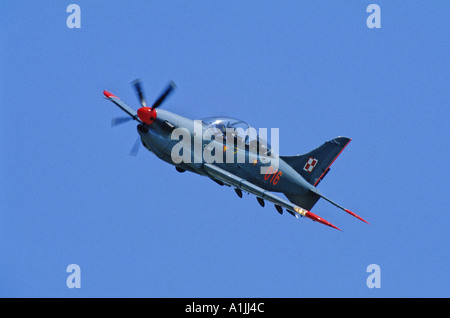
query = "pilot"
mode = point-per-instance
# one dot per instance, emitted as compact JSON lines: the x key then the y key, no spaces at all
{"x":222,"y":128}
{"x":221,"y":131}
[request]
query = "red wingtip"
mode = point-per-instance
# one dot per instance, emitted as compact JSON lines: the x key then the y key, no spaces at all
{"x":356,"y":216}
{"x":317,"y":218}
{"x":108,"y":94}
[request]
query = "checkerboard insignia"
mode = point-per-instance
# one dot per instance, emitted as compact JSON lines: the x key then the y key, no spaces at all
{"x":310,"y":164}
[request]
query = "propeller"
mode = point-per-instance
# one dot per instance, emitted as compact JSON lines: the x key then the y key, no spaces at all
{"x":147,"y":115}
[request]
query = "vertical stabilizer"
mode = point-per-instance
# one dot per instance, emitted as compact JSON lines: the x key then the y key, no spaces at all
{"x":314,"y":165}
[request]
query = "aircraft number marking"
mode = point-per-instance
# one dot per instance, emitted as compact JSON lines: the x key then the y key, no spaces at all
{"x":275,"y":175}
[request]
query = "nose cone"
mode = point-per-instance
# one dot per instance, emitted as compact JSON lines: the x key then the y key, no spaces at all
{"x":147,"y":115}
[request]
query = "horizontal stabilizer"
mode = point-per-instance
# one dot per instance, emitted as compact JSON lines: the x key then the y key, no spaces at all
{"x":317,"y":192}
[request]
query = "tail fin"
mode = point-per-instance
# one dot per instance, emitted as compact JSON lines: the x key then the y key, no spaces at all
{"x":314,"y":165}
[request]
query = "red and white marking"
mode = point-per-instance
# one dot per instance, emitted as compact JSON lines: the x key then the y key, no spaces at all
{"x":310,"y":164}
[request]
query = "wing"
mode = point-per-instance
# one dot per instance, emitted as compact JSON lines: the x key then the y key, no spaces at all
{"x":242,"y":184}
{"x":127,"y":109}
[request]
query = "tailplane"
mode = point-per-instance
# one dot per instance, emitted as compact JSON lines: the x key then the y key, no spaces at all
{"x":314,"y":165}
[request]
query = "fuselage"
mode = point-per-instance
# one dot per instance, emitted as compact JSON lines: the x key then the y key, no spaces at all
{"x":267,"y":171}
{"x":231,"y":152}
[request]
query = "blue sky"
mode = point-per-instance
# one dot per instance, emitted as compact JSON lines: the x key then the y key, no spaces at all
{"x":71,"y":194}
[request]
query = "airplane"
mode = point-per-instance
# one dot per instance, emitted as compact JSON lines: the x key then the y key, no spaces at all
{"x":296,"y":176}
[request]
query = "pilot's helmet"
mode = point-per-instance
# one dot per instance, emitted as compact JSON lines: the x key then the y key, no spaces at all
{"x":221,"y":127}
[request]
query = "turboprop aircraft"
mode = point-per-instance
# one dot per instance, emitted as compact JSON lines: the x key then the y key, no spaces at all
{"x":232,"y":153}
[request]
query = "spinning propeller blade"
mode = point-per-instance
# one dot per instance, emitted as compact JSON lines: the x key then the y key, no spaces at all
{"x":170,"y":88}
{"x":139,"y":91}
{"x":138,"y":87}
{"x":135,"y":149}
{"x":120,"y":120}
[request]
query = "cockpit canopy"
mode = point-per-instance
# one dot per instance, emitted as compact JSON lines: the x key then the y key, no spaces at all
{"x":243,"y":134}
